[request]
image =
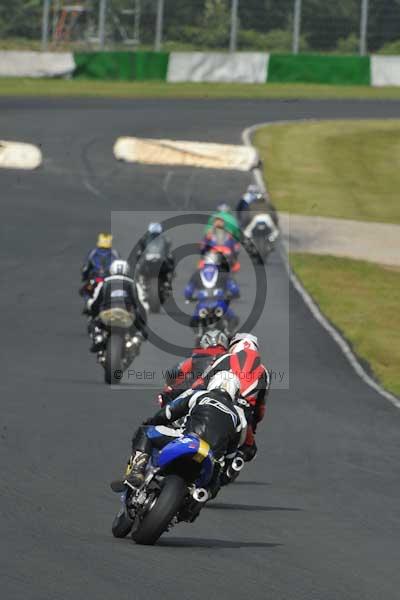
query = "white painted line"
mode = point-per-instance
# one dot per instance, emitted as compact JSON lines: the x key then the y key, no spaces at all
{"x":334,"y":333}
{"x":16,"y":155}
{"x":182,"y":153}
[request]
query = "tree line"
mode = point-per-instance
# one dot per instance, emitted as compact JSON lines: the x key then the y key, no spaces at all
{"x":263,"y":24}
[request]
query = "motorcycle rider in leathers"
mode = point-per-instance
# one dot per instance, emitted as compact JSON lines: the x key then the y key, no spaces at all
{"x":213,"y":343}
{"x":243,"y":359}
{"x":117,"y":291}
{"x":210,"y":414}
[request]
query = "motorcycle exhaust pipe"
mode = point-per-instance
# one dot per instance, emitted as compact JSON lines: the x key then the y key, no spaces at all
{"x":235,"y":468}
{"x":219,"y":311}
{"x":200,"y":495}
{"x":203,"y":313}
{"x":237,"y":464}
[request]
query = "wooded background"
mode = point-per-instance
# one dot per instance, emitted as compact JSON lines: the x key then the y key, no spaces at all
{"x":326,"y":25}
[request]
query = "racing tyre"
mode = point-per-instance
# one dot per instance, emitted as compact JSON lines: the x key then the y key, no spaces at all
{"x":263,"y":249}
{"x":113,"y":364}
{"x":166,"y":506}
{"x":153,"y":295}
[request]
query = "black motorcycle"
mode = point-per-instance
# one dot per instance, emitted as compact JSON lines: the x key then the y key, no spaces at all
{"x":153,"y":274}
{"x":117,"y":343}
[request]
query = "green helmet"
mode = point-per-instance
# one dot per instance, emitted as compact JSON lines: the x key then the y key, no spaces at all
{"x":230,"y":222}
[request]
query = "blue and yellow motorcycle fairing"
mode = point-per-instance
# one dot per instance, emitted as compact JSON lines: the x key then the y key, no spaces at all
{"x":174,"y":489}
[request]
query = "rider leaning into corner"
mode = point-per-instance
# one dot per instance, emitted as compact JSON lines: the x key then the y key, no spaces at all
{"x":99,"y":260}
{"x":211,"y":414}
{"x":155,"y":231}
{"x":211,"y":276}
{"x":254,"y":206}
{"x":118,"y":291}
{"x":213,"y":344}
{"x":244,"y":361}
{"x":218,"y":236}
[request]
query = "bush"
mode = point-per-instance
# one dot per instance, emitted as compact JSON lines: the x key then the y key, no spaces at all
{"x":276,"y":40}
{"x":390,"y":48}
{"x":199,"y":37}
{"x":348,"y":45}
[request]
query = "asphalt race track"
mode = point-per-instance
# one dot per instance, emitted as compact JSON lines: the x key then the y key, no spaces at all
{"x":316,"y":516}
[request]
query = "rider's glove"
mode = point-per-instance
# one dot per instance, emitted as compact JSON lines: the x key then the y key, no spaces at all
{"x":160,"y":418}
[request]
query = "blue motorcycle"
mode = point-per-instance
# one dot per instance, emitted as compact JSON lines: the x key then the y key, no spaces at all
{"x":212,"y":291}
{"x":213,"y":311}
{"x":174,"y":490}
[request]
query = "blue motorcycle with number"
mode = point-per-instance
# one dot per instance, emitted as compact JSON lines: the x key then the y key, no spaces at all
{"x":174,"y":490}
{"x":213,"y":311}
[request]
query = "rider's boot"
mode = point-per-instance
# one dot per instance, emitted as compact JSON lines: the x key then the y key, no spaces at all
{"x":134,"y":473}
{"x":136,"y":467}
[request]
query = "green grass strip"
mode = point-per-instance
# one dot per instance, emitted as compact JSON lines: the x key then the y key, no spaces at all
{"x":363,"y":301}
{"x":92,"y":88}
{"x":345,"y":169}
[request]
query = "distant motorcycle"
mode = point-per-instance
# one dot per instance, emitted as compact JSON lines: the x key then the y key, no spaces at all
{"x":259,"y":237}
{"x":117,"y":347}
{"x":152,"y":276}
{"x":228,"y":259}
{"x":212,"y":311}
{"x":173,"y":491}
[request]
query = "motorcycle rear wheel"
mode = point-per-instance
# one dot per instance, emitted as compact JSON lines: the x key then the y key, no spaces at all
{"x":153,"y":295}
{"x":113,"y":362}
{"x":166,"y":506}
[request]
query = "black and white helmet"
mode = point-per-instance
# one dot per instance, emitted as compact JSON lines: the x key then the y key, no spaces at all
{"x":119,"y":267}
{"x":213,"y":338}
{"x":226,"y":381}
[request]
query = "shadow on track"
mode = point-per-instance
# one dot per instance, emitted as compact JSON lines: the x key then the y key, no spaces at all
{"x":211,"y":543}
{"x":242,"y":482}
{"x":251,"y":507}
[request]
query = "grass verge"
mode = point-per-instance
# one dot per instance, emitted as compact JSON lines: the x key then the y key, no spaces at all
{"x":158,"y":89}
{"x":363,"y":301}
{"x":345,"y":169}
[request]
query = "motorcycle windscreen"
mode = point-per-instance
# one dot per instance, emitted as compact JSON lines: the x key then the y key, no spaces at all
{"x":117,"y":317}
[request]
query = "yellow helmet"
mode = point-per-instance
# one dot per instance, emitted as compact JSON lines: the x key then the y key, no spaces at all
{"x":104,"y":240}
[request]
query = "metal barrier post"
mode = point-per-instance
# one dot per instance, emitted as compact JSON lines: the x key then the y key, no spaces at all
{"x":296,"y":26}
{"x":159,"y":26}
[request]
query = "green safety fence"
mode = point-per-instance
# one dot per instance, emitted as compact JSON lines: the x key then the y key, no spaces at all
{"x":282,"y":68}
{"x":310,"y":68}
{"x":150,"y":65}
{"x":128,"y":66}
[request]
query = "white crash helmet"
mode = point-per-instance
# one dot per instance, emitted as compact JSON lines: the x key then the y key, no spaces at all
{"x":155,"y":228}
{"x":212,"y":338}
{"x":119,"y":267}
{"x":253,"y":189}
{"x":243,"y":341}
{"x":211,"y":258}
{"x":226,"y":381}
